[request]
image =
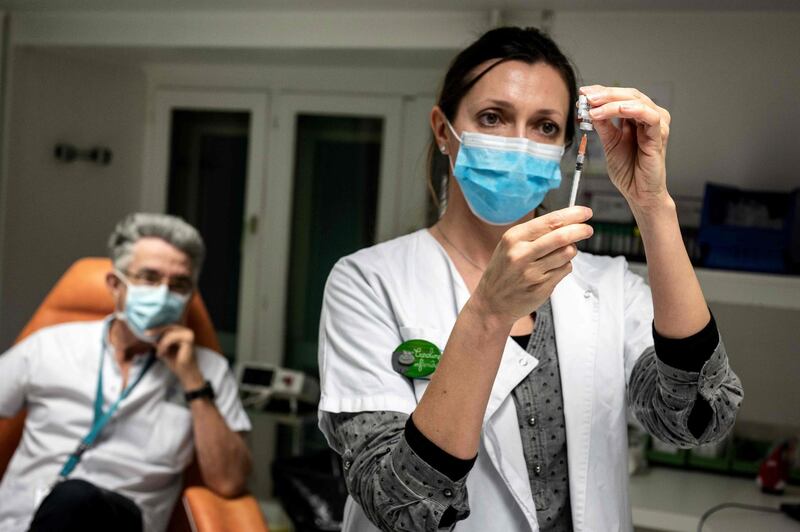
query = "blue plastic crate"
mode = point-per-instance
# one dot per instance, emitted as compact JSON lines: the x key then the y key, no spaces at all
{"x":746,"y":230}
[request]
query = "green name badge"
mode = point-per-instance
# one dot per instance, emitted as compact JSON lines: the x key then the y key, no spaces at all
{"x":416,"y":359}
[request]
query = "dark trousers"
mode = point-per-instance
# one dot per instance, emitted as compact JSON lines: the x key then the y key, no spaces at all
{"x":77,"y":505}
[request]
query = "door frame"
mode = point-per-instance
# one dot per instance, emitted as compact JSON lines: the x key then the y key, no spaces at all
{"x":277,"y":214}
{"x":155,"y":182}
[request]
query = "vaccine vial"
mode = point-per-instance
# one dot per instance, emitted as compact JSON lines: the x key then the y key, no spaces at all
{"x":583,"y":114}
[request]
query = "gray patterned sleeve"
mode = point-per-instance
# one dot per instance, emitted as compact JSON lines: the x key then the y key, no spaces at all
{"x":396,"y":488}
{"x":662,"y":398}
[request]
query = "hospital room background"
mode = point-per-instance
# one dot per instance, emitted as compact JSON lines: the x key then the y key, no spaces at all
{"x":293,"y":133}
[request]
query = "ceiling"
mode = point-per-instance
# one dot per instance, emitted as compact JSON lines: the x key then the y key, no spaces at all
{"x":438,"y":5}
{"x":437,"y":59}
{"x":399,"y":58}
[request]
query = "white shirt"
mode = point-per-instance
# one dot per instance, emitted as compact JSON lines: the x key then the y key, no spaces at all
{"x":409,"y":288}
{"x":140,"y":454}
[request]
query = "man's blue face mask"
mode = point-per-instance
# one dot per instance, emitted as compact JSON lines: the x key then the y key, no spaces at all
{"x":505,"y":178}
{"x":149,"y":307}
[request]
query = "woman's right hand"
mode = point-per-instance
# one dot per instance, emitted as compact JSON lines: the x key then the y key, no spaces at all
{"x":528,"y":263}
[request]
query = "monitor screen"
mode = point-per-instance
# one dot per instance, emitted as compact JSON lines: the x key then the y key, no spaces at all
{"x":258,"y":376}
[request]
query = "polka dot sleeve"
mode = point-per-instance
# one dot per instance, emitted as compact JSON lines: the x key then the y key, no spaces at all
{"x":396,"y":488}
{"x":664,"y":397}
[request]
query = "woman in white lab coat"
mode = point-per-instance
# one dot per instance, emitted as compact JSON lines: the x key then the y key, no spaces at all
{"x":538,"y":350}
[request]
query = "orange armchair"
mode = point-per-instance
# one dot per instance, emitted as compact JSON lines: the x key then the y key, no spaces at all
{"x":82,"y":295}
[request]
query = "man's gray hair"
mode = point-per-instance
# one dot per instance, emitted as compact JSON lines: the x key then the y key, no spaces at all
{"x":171,"y":229}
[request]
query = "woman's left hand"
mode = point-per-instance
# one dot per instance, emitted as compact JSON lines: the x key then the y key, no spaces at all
{"x":636,"y":149}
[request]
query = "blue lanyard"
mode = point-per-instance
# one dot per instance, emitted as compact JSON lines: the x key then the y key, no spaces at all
{"x":101,"y":418}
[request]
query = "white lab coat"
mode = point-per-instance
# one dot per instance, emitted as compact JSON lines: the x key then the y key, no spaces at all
{"x":408,"y":288}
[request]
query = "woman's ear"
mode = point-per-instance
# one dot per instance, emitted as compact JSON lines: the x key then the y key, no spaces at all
{"x":440,"y":130}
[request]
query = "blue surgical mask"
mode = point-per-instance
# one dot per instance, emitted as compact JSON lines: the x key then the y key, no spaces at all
{"x":505,"y":178}
{"x":149,"y":307}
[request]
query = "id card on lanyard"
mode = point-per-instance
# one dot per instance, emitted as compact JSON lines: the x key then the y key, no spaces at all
{"x":101,"y":418}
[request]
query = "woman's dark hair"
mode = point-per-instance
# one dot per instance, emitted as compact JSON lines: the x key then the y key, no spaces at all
{"x":503,"y":44}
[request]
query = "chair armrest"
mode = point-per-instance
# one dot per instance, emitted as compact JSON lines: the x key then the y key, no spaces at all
{"x":208,"y":512}
{"x":10,"y":434}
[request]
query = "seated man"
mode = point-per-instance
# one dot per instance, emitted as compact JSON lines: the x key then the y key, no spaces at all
{"x":132,"y":389}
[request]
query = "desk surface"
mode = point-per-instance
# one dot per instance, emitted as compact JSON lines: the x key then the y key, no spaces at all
{"x":673,"y":500}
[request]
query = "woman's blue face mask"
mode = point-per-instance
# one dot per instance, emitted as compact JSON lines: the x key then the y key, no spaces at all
{"x":505,"y":178}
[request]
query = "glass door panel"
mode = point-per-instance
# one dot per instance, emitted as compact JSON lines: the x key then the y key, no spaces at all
{"x":337,"y":163}
{"x":206,"y":186}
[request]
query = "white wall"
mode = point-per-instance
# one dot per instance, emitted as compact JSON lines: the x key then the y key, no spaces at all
{"x":55,"y":212}
{"x":734,"y":78}
{"x":764,"y":349}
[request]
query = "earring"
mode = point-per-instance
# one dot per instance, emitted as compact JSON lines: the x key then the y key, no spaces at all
{"x":442,"y":149}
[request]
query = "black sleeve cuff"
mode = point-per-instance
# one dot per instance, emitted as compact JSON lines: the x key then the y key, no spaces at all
{"x":445,"y":463}
{"x":687,"y":354}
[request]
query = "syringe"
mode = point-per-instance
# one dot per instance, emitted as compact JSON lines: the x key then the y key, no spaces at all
{"x":585,"y":125}
{"x":578,"y":168}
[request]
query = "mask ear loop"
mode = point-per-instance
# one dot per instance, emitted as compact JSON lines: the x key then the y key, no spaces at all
{"x":458,"y":138}
{"x":120,"y":314}
{"x":445,"y":180}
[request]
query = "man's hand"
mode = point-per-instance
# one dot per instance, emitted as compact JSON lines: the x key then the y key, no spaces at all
{"x":222,"y":454}
{"x":175,"y":347}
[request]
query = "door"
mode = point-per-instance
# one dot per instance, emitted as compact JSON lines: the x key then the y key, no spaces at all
{"x":206,"y":165}
{"x":334,"y":185}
